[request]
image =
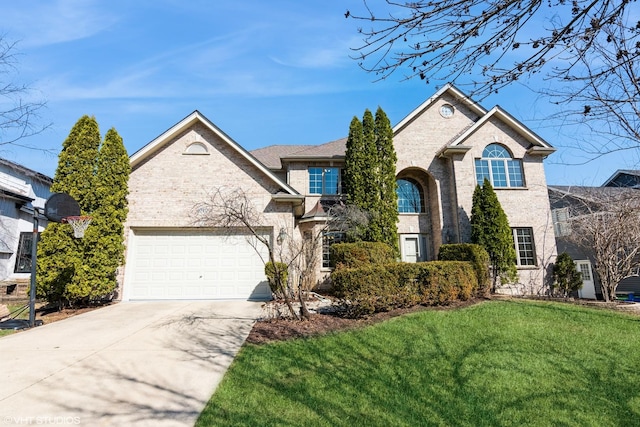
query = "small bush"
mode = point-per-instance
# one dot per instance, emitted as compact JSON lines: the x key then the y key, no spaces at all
{"x":375,"y":288}
{"x":476,"y":255}
{"x":365,"y":290}
{"x":443,"y":282}
{"x":566,"y":278}
{"x":359,"y":254}
{"x":270,"y":272}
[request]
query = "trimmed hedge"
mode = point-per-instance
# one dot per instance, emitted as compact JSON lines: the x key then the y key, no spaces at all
{"x":360,"y":254}
{"x":473,"y":253}
{"x":375,"y":288}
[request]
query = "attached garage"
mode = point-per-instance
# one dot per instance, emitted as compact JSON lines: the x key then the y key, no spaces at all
{"x":169,"y":264}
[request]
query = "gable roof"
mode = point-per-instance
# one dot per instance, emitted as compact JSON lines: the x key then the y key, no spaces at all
{"x":621,"y":172}
{"x":448,"y":89}
{"x":587,"y":193}
{"x":538,"y":145}
{"x":197,"y":117}
{"x":29,"y":173}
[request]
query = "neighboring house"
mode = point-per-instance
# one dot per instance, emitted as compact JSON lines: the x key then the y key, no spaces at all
{"x":444,"y":147}
{"x":20,"y":190}
{"x":565,"y":201}
{"x":624,"y":178}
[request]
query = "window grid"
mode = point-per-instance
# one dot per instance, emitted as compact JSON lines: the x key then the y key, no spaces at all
{"x":525,"y":250}
{"x":586,"y":271}
{"x":23,"y":257}
{"x":330,"y":238}
{"x":499,"y":168}
{"x":324,"y":180}
{"x":410,"y":199}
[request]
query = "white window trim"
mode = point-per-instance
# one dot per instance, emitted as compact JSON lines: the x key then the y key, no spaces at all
{"x":324,"y":170}
{"x":422,"y":246}
{"x":533,"y":243}
{"x":506,"y":169}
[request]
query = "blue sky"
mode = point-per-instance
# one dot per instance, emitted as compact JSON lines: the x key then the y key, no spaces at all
{"x":275,"y":72}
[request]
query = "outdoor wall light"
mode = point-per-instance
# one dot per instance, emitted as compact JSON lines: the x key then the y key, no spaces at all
{"x":281,"y":236}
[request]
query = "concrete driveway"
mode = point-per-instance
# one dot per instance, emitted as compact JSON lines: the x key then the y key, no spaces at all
{"x":132,"y":363}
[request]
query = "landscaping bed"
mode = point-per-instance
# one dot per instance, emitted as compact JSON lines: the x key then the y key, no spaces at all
{"x":282,"y":329}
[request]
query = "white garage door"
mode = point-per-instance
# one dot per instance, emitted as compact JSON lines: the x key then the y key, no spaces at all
{"x":184,"y":264}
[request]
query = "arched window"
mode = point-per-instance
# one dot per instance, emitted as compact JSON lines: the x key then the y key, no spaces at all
{"x":196,"y":148}
{"x":499,"y":168}
{"x":410,"y":197}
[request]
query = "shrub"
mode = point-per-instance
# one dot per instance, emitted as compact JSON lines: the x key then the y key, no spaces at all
{"x":270,"y":272}
{"x":375,"y":288}
{"x":443,"y":282}
{"x":566,"y":278}
{"x":365,"y":290}
{"x":358,"y":254}
{"x":476,"y":255}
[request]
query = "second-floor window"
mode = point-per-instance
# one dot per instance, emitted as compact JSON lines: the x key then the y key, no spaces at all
{"x":499,"y":168}
{"x":324,"y":180}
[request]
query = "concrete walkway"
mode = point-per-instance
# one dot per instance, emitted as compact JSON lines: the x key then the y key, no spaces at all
{"x":132,"y":363}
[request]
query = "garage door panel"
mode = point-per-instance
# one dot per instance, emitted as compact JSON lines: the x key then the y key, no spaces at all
{"x":181,"y":264}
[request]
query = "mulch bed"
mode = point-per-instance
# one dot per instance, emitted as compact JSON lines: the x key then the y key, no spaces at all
{"x":266,"y":331}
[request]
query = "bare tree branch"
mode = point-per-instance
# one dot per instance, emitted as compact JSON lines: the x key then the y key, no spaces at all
{"x":589,"y":51}
{"x":605,"y":222}
{"x":233,"y":210}
{"x":19,"y":117}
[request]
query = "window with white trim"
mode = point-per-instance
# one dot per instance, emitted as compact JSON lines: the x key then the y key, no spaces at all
{"x":330,"y":238}
{"x":525,"y":249}
{"x":585,"y":269}
{"x":499,"y":167}
{"x":324,"y":180}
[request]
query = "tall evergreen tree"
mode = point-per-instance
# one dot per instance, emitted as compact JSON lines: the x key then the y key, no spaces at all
{"x":354,"y":164}
{"x":103,"y":243}
{"x":370,"y":171}
{"x":490,"y":228}
{"x":370,"y":166}
{"x":60,"y":255}
{"x":387,"y":186}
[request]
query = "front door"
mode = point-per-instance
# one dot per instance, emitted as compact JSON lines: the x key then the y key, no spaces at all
{"x":588,"y":290}
{"x":411,"y":250}
{"x":413,"y":247}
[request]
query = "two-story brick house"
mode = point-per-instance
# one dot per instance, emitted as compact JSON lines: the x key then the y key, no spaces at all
{"x":444,"y":148}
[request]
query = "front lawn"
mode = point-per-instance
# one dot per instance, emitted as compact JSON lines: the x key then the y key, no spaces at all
{"x":499,"y":363}
{"x":14,"y":308}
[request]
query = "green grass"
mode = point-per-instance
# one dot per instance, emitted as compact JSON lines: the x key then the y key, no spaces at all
{"x":23,"y":315}
{"x":500,"y":363}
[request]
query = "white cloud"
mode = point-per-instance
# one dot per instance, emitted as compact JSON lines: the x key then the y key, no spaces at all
{"x":44,"y":22}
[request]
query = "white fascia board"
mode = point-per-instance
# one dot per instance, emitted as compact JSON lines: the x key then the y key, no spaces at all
{"x":192,"y":118}
{"x":509,"y":120}
{"x":455,"y":92}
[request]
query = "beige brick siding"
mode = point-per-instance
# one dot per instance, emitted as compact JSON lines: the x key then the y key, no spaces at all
{"x":528,"y":207}
{"x":169,"y":183}
{"x":164,"y":189}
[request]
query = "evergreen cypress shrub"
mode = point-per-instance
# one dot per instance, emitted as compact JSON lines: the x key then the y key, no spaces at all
{"x":566,"y":278}
{"x":473,"y":253}
{"x":490,"y":229}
